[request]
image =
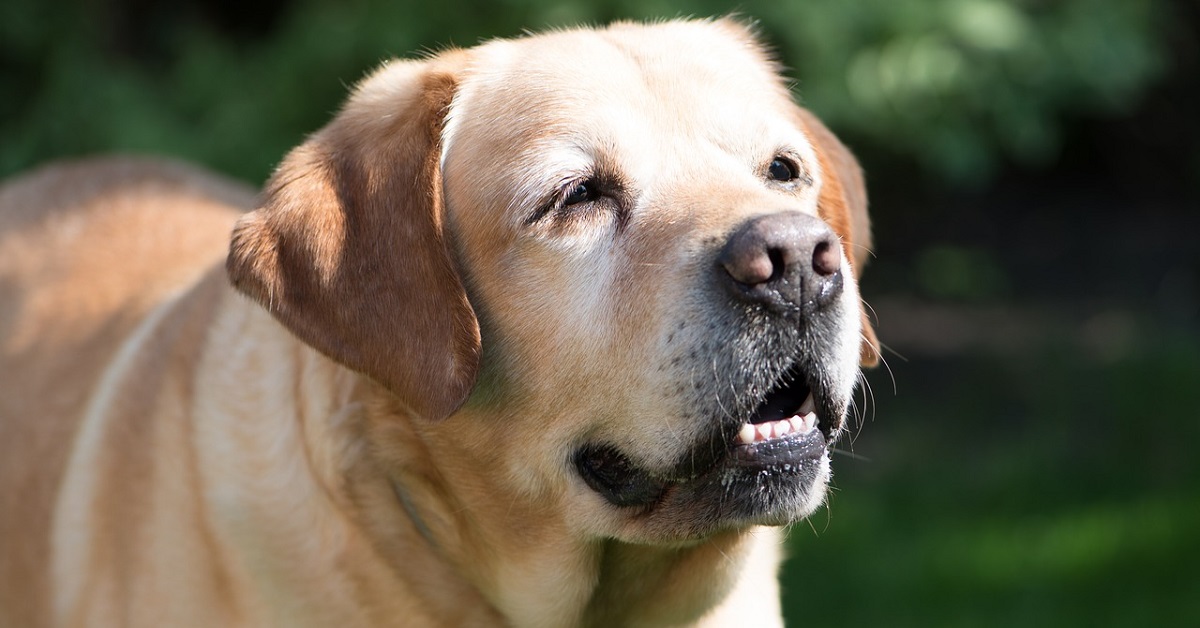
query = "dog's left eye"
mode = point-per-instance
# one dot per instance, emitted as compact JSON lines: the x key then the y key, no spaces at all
{"x":782,"y":169}
{"x":581,"y":193}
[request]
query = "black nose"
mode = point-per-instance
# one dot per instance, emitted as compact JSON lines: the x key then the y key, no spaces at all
{"x":784,"y":260}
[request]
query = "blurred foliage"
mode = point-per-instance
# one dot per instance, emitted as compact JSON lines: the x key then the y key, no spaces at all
{"x":959,"y":86}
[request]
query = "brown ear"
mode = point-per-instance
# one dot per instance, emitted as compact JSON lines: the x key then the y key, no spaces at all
{"x":843,"y":204}
{"x":348,"y":249}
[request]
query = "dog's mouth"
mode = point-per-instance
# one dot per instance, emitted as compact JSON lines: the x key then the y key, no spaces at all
{"x":788,"y":409}
{"x":780,"y":442}
{"x":793,"y":423}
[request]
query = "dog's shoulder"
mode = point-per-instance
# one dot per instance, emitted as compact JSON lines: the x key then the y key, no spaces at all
{"x":96,"y":235}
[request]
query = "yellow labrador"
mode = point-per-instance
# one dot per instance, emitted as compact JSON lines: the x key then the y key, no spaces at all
{"x":547,"y":332}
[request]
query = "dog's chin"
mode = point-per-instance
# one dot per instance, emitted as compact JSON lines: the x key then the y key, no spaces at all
{"x":772,"y":482}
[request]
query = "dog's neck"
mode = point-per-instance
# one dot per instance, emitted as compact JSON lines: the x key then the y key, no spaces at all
{"x":534,"y":569}
{"x":704,"y":584}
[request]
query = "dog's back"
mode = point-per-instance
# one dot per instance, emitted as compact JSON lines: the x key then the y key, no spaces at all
{"x":86,"y":250}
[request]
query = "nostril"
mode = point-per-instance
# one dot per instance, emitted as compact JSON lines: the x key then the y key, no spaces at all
{"x":749,"y":268}
{"x":778,"y":259}
{"x":826,"y":260}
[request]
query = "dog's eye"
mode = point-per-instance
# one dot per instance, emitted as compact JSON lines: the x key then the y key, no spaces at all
{"x":782,"y":169}
{"x":567,"y":200}
{"x":581,"y":193}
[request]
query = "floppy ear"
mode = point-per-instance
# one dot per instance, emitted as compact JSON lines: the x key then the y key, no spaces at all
{"x":348,"y":248}
{"x":843,"y":204}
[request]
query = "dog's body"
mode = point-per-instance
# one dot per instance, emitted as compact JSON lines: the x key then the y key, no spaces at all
{"x":531,"y":370}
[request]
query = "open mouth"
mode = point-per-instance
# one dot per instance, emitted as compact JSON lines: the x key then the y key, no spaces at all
{"x":785,"y":429}
{"x":788,"y":409}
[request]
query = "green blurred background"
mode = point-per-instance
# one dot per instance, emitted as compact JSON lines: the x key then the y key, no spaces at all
{"x":1028,"y":455}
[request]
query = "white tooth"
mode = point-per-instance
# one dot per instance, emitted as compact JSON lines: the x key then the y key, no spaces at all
{"x":764,"y":431}
{"x":746,"y":435}
{"x":780,"y":428}
{"x":798,"y":425}
{"x":810,"y":420}
{"x":809,"y":405}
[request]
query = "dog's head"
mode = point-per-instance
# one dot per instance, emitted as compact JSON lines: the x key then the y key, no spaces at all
{"x":619,"y":266}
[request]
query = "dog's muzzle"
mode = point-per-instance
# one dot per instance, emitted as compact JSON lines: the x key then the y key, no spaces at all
{"x":783,"y":276}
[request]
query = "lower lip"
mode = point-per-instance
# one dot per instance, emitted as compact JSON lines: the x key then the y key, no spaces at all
{"x":791,"y":449}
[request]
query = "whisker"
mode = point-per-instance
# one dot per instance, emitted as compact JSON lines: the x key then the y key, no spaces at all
{"x":863,"y":247}
{"x":882,"y":359}
{"x":868,"y":393}
{"x":874,"y":314}
{"x":828,"y":512}
{"x":891,"y":374}
{"x":720,"y":551}
{"x":869,"y":397}
{"x":849,"y":454}
{"x":812,"y":527}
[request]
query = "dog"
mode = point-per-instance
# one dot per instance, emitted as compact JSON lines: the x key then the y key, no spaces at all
{"x":553,"y":331}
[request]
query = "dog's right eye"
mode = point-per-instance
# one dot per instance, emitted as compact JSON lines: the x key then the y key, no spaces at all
{"x":581,"y":193}
{"x":581,"y":198}
{"x":782,"y":170}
